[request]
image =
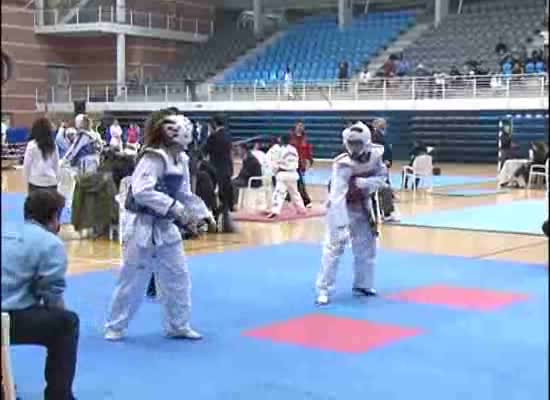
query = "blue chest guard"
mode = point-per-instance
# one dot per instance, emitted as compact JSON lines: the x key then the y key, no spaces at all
{"x":169,"y":184}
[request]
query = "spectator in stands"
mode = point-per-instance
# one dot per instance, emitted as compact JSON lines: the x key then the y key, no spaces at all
{"x":403,"y":66}
{"x":219,"y":149}
{"x":422,"y":81}
{"x":439,"y":80}
{"x":365,"y":76}
{"x":34,"y":264}
{"x":389,"y":68}
{"x":501,"y":47}
{"x":343,"y":71}
{"x":288,"y":83}
{"x":250,"y":167}
{"x":41,"y":161}
{"x":116,"y":136}
{"x":298,"y":139}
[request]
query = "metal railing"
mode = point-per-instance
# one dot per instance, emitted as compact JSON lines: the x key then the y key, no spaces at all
{"x":125,"y":16}
{"x":409,"y":88}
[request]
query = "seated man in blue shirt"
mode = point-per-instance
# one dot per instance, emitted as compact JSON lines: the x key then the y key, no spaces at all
{"x":34,"y":263}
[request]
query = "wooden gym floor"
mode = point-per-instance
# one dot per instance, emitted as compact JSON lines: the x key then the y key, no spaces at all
{"x":92,"y":255}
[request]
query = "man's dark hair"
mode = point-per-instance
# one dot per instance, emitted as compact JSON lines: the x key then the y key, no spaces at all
{"x":244,"y":146}
{"x":43,"y":205}
{"x":285,"y":140}
{"x":217,"y":120}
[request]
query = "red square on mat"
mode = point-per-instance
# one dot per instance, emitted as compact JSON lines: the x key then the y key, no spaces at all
{"x":460,"y":298}
{"x":332,"y":333}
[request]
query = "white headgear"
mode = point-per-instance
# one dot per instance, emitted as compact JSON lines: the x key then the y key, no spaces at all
{"x":82,"y":121}
{"x":179,"y":129}
{"x":70,"y":131}
{"x":358,"y":132}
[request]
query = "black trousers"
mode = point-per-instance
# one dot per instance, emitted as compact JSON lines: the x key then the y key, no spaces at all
{"x":225,"y":191}
{"x":386,"y":200}
{"x":58,"y":331}
{"x":302,"y":189}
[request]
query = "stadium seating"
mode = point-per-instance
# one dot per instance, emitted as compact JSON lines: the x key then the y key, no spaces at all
{"x":198,"y":62}
{"x":474,"y":34}
{"x":314,"y":48}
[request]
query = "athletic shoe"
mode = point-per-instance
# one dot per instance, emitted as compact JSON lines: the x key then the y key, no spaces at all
{"x":113,"y":336}
{"x":393,"y":217}
{"x":360,"y":292}
{"x":185,"y":333}
{"x":322,"y":300}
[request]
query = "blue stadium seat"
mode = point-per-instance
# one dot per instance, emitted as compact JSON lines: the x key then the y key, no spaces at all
{"x":318,"y":58}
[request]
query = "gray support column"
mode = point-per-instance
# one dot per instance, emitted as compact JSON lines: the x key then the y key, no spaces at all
{"x":441,"y":10}
{"x":258,"y":17}
{"x":120,"y":62}
{"x":345,"y":13}
{"x":39,"y":9}
{"x":120,"y":11}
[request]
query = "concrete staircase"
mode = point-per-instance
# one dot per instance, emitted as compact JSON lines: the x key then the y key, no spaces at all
{"x":405,"y":40}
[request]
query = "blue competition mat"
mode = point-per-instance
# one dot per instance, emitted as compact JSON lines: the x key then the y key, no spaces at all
{"x":524,"y":217}
{"x":322,"y":176}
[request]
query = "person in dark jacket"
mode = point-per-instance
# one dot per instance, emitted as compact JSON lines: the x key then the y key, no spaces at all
{"x":298,"y":139}
{"x":378,"y":130}
{"x":219,"y":149}
{"x":250,"y":167}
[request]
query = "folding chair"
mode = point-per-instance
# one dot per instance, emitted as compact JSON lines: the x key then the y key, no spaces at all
{"x":421,"y":169}
{"x":8,"y":387}
{"x":265,"y":189}
{"x":536,"y":171}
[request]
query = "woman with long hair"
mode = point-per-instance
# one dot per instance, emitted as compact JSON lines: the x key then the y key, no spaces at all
{"x":41,"y":162}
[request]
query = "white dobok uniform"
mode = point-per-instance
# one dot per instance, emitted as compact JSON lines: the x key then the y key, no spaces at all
{"x":287,"y":180}
{"x":151,"y":243}
{"x":350,"y":220}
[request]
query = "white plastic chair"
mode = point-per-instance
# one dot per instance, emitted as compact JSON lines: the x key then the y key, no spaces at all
{"x":422,"y":169}
{"x":265,"y":189}
{"x":536,"y":171}
{"x":8,"y":386}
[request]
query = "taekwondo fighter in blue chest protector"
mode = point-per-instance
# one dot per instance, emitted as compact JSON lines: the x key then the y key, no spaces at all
{"x":356,"y":175}
{"x":157,"y":201}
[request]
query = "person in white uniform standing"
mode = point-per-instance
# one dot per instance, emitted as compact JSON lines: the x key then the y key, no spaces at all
{"x":158,"y":201}
{"x":287,"y":179}
{"x":356,"y":174}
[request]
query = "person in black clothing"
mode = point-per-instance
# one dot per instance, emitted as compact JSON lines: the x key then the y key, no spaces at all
{"x":218,"y":148}
{"x":378,"y":128}
{"x":250,"y":167}
{"x":539,"y":156}
{"x":419,"y":148}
